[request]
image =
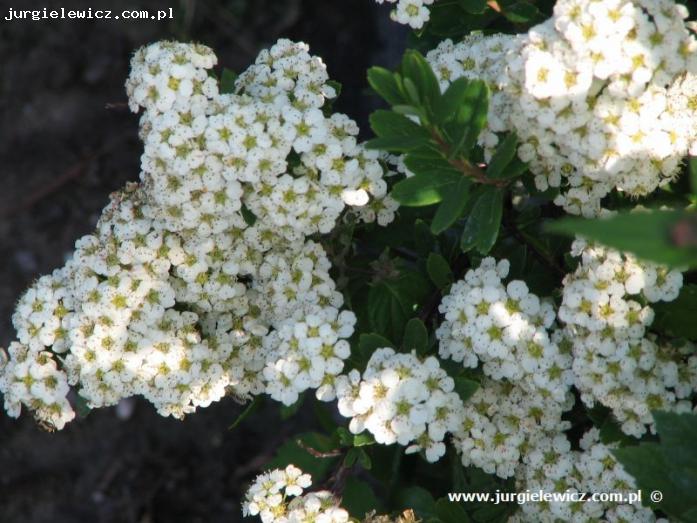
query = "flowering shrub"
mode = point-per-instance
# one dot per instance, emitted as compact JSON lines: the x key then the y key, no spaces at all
{"x":458,"y":334}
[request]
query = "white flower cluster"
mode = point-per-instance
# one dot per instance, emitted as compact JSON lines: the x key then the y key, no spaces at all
{"x":413,"y":13}
{"x":401,"y":399}
{"x":200,"y":281}
{"x":268,"y":497}
{"x":601,"y":95}
{"x":505,"y":328}
{"x":616,"y":363}
{"x":551,"y":466}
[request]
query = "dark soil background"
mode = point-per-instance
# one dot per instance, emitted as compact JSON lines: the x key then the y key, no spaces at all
{"x":67,"y":141}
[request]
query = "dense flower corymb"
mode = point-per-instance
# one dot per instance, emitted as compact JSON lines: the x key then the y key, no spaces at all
{"x":201,"y":280}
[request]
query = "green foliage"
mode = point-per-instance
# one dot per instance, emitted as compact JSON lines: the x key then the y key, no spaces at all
{"x":438,"y":270}
{"x":415,"y":336}
{"x":669,"y":466}
{"x":227,"y":81}
{"x":677,"y":318}
{"x":484,"y":220}
{"x":665,"y":237}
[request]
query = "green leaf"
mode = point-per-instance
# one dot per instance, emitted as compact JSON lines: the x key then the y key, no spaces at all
{"x":359,"y":499}
{"x":419,"y":191}
{"x":249,"y":217}
{"x":415,"y":336}
{"x":651,"y":235}
{"x":336,"y":86}
{"x":389,"y":123}
{"x":669,"y":466}
{"x":465,"y":387}
{"x":451,"y":512}
{"x":419,"y":500}
{"x":392,"y":302}
{"x":227,"y":81}
{"x":506,"y":151}
{"x":470,"y":118}
{"x":369,"y":343}
{"x":288,"y":411}
{"x":474,"y":7}
{"x":677,"y":318}
{"x":292,"y":453}
{"x":439,"y":270}
{"x":447,"y":106}
{"x":384,"y":83}
{"x":363,"y":439}
{"x":395,"y":144}
{"x":482,"y":227}
{"x":452,"y":206}
{"x":418,"y":70}
{"x":523,"y":13}
{"x":251,"y":407}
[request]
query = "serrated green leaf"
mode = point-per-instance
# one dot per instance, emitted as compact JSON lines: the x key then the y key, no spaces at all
{"x":482,"y":227}
{"x":651,"y":235}
{"x":415,"y":336}
{"x":465,"y":387}
{"x":419,"y":191}
{"x":502,"y":157}
{"x":384,"y":83}
{"x":452,"y":206}
{"x":439,"y":270}
{"x":227,"y":81}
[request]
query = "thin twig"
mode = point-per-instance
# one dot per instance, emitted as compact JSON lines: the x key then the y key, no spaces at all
{"x":318,"y":454}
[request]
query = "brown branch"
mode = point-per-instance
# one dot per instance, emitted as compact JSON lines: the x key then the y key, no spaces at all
{"x":318,"y":454}
{"x":472,"y":171}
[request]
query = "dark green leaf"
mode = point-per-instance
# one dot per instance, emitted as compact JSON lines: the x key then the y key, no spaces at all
{"x":465,"y":387}
{"x":359,"y":499}
{"x":677,"y":318}
{"x":227,"y":81}
{"x":292,"y":453}
{"x":470,"y":118}
{"x":369,"y":343}
{"x":387,"y":124}
{"x":506,"y":151}
{"x":451,"y":512}
{"x":473,"y":6}
{"x":419,"y":500}
{"x":363,"y":439}
{"x":448,"y":105}
{"x":482,"y":227}
{"x":418,"y":191}
{"x":651,"y":235}
{"x":396,"y":144}
{"x":249,"y":217}
{"x":669,"y":466}
{"x":452,"y":206}
{"x":415,"y":336}
{"x":393,"y":301}
{"x":523,"y":13}
{"x":288,"y":411}
{"x":251,"y":407}
{"x":438,"y":270}
{"x":383,"y":82}
{"x":418,"y":70}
